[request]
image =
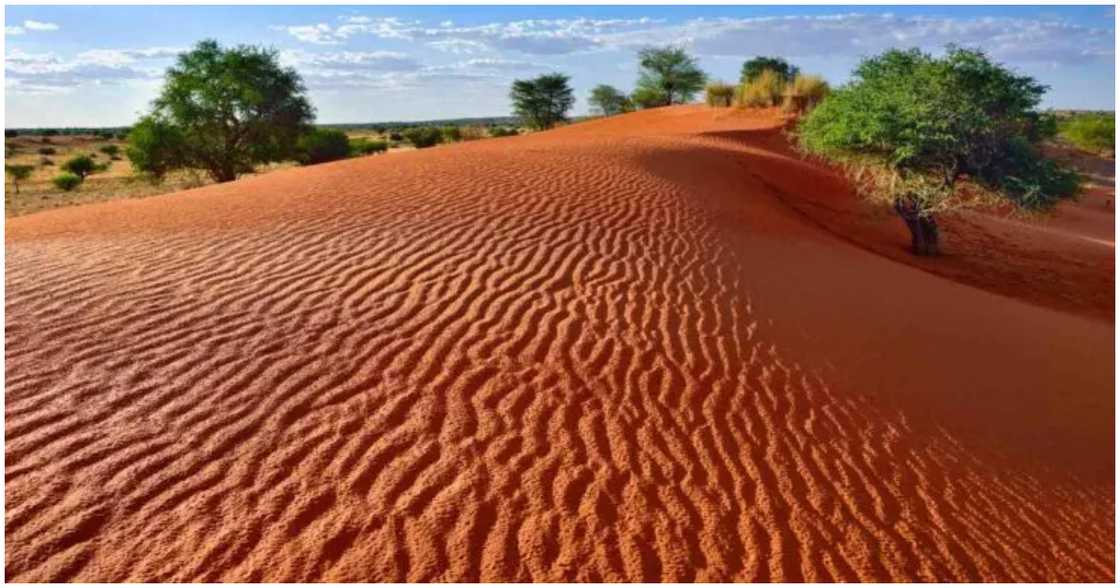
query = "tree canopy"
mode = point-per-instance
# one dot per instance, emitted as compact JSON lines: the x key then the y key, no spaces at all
{"x":223,"y":111}
{"x":911,"y":126}
{"x":543,"y":101}
{"x":608,"y":100}
{"x":669,"y":74}
{"x":754,"y":67}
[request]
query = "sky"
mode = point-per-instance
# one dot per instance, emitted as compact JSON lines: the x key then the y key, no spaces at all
{"x":103,"y":65}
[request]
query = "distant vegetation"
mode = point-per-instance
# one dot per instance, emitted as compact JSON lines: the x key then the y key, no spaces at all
{"x":910,"y":128}
{"x":1091,"y":131}
{"x":422,"y":137}
{"x":544,"y":101}
{"x":18,"y":173}
{"x":222,"y":111}
{"x":321,"y":146}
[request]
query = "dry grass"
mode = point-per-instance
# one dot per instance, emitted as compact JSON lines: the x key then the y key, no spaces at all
{"x":805,"y":92}
{"x":719,"y":94}
{"x":764,"y":91}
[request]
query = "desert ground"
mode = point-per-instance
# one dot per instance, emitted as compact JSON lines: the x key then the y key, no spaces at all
{"x":659,"y":346}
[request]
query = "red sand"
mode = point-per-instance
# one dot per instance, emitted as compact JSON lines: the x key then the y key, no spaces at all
{"x":640,"y":348}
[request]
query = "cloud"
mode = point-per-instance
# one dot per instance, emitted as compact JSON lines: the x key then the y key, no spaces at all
{"x":34,"y":25}
{"x":458,"y":46}
{"x":13,"y":30}
{"x":50,"y":73}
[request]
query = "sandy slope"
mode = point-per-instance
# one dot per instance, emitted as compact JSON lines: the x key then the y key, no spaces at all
{"x":622,"y":350}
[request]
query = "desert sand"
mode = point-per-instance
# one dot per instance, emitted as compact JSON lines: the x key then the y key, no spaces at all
{"x":653,"y":347}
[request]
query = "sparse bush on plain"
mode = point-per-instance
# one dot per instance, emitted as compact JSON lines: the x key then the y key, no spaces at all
{"x":805,"y":93}
{"x":363,"y":146}
{"x":423,"y":137}
{"x":754,"y":68}
{"x":910,"y":127}
{"x":1095,"y":132}
{"x":322,"y":145}
{"x":67,"y":181}
{"x":47,"y":151}
{"x":765,"y":90}
{"x":18,"y":173}
{"x":719,"y":94}
{"x":504,"y":132}
{"x":110,"y":150}
{"x":472,"y":133}
{"x":80,"y":165}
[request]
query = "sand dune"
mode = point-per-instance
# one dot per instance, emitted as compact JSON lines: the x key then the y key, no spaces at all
{"x":628,"y":349}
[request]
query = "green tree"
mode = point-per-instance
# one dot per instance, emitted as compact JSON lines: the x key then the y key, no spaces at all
{"x":80,"y":165}
{"x":18,"y":173}
{"x":222,"y":111}
{"x":754,"y":67}
{"x":910,"y":127}
{"x":544,"y":101}
{"x":670,"y":73}
{"x":422,"y":137}
{"x":608,"y":100}
{"x":322,"y":145}
{"x":648,"y":97}
{"x":66,"y":181}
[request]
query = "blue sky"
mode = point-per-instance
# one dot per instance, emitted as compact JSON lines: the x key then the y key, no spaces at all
{"x":102,"y":65}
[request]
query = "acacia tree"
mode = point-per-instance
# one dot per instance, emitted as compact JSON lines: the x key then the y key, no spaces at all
{"x":754,"y":68}
{"x":608,"y":100}
{"x":18,"y":173}
{"x":669,"y":73}
{"x":222,"y":111}
{"x":910,"y":127}
{"x":543,"y":101}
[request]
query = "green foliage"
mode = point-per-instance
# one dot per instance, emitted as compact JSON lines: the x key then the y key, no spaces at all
{"x":504,"y":132}
{"x":396,"y":136}
{"x":322,"y":145}
{"x":544,"y":101}
{"x":451,"y":134}
{"x":1090,"y":131}
{"x":719,"y":94}
{"x":608,"y":101}
{"x":918,"y":124}
{"x":365,"y":146}
{"x":80,"y":165}
{"x":226,"y":111}
{"x":763,"y":91}
{"x":668,"y":72}
{"x":47,"y":151}
{"x":754,"y":68}
{"x":110,"y":150}
{"x":67,"y":181}
{"x":422,"y":137}
{"x":648,"y":97}
{"x":18,"y":173}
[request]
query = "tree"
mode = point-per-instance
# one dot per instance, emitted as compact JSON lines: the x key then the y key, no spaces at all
{"x":648,"y":97}
{"x":910,"y":127}
{"x":544,"y":101}
{"x":222,"y":111}
{"x":608,"y":100}
{"x":754,"y":67}
{"x":66,"y":181}
{"x":670,"y":73}
{"x":322,"y":145}
{"x":18,"y":173}
{"x":81,"y":166}
{"x":422,"y":137}
{"x":110,"y":150}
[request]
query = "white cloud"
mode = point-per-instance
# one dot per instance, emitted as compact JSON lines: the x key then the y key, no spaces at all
{"x":48,"y":72}
{"x":458,"y":46}
{"x":13,"y":30}
{"x":34,"y":25}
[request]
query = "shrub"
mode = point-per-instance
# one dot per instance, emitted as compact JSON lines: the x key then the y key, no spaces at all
{"x":472,"y":133}
{"x":754,"y":68}
{"x":608,"y":100}
{"x":110,"y":150}
{"x":81,"y":166}
{"x":365,"y":146}
{"x":322,"y":145}
{"x":396,"y":136}
{"x":47,"y":151}
{"x":719,"y":94}
{"x":544,"y":101}
{"x":10,"y":133}
{"x":910,"y":126}
{"x":18,"y":173}
{"x":648,"y":97}
{"x":504,"y":132}
{"x":1092,"y":132}
{"x":67,"y":181}
{"x":422,"y":137}
{"x":805,"y":93}
{"x":46,"y":161}
{"x":670,"y":73}
{"x":764,"y":90}
{"x":451,"y":134}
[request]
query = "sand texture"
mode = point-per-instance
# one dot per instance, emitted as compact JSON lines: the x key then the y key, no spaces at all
{"x":653,"y":347}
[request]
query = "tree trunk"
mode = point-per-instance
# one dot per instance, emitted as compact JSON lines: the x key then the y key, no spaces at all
{"x":923,"y":227}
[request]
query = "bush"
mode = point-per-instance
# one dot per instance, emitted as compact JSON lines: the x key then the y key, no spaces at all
{"x":322,"y":145}
{"x":504,"y":132}
{"x":18,"y":173}
{"x":763,"y":91}
{"x":46,"y":161}
{"x":472,"y":133}
{"x":754,"y":68}
{"x":422,"y":137}
{"x":10,"y":133}
{"x":81,"y":166}
{"x":396,"y":136}
{"x":1092,"y":132}
{"x":805,"y":93}
{"x":67,"y":181}
{"x":719,"y":94}
{"x":910,"y":126}
{"x":47,"y":151}
{"x":648,"y":97}
{"x":365,"y":146}
{"x":110,"y":150}
{"x":451,"y":134}
{"x":608,"y":101}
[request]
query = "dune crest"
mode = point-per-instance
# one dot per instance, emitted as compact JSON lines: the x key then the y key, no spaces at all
{"x":614,"y":351}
